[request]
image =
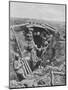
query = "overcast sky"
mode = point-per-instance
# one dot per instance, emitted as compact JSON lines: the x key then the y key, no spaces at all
{"x":37,"y":11}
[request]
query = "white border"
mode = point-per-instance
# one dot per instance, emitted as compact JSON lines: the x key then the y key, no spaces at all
{"x":4,"y":43}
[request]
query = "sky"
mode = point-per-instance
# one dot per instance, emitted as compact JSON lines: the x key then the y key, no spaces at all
{"x":37,"y":11}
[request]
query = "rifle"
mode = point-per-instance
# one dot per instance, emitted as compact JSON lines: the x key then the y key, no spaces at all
{"x":17,"y":41}
{"x":22,"y":60}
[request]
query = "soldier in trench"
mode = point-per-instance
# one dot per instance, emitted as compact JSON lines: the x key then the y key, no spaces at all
{"x":18,"y":67}
{"x":21,"y":65}
{"x":36,"y":54}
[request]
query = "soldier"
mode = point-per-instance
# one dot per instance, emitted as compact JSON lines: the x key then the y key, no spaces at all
{"x":17,"y":67}
{"x":21,"y":65}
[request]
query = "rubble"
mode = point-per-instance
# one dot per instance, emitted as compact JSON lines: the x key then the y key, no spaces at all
{"x":37,"y":58}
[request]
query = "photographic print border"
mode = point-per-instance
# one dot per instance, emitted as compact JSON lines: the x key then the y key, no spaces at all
{"x":65,"y":41}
